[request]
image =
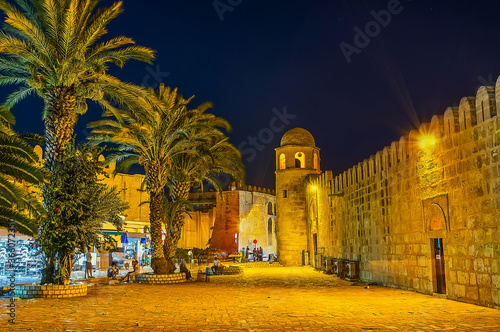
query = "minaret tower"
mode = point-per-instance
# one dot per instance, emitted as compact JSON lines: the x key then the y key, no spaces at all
{"x":296,"y":159}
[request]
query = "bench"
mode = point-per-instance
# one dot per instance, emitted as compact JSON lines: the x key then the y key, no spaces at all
{"x":209,"y":272}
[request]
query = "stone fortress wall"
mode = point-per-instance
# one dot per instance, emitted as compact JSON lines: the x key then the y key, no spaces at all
{"x":245,"y":214}
{"x":388,"y":211}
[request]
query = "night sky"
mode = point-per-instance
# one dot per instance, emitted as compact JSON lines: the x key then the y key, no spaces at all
{"x":255,"y":59}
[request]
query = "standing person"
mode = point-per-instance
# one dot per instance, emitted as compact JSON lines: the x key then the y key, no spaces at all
{"x":254,"y":254}
{"x":190,"y":254}
{"x":243,"y":255}
{"x":260,"y":254}
{"x":88,"y":266}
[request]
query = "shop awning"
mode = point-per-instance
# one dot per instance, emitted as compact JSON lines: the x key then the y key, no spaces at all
{"x":139,"y":235}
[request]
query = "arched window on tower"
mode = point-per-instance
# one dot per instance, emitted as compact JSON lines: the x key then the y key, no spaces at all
{"x":300,"y":160}
{"x":282,"y":161}
{"x":315,"y":160}
{"x":269,"y":232}
{"x":270,"y":208}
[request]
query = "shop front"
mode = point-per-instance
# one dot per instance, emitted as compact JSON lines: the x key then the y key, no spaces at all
{"x":26,"y":263}
{"x":130,"y":246}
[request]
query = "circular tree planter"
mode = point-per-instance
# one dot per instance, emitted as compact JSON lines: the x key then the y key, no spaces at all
{"x":175,"y":278}
{"x":50,"y":291}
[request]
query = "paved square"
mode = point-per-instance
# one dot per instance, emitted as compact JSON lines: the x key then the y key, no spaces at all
{"x":262,"y":299}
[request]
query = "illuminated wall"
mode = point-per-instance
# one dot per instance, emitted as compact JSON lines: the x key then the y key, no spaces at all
{"x":243,"y":216}
{"x":301,"y":161}
{"x":390,"y":211}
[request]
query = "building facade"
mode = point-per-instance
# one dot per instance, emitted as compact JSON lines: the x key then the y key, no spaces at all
{"x":246,"y":217}
{"x":422,"y":214}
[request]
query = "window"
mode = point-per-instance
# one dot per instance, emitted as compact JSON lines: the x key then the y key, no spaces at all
{"x":282,"y":161}
{"x":269,"y":232}
{"x":315,"y":161}
{"x":300,"y":160}
{"x":270,"y":208}
{"x":284,"y":193}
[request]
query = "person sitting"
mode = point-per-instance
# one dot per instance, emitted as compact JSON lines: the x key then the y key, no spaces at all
{"x":217,"y":267}
{"x":112,"y":271}
{"x":183,"y":269}
{"x":136,"y":271}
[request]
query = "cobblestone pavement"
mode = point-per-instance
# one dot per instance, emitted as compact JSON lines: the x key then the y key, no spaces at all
{"x":262,"y":299}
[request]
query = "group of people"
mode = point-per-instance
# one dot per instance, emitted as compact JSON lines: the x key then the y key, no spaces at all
{"x":256,"y":254}
{"x":113,"y":271}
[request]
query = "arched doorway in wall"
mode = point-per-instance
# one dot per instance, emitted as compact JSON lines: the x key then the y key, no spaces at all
{"x":437,"y":226}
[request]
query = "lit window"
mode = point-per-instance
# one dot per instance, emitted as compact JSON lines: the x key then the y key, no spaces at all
{"x":315,"y":160}
{"x":300,"y":160}
{"x":282,"y":161}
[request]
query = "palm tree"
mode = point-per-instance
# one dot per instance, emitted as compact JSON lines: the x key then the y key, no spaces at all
{"x":214,"y":155}
{"x":150,"y":137}
{"x":19,"y":168}
{"x":51,"y":47}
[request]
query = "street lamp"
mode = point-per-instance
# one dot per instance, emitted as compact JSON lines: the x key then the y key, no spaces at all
{"x":427,"y":142}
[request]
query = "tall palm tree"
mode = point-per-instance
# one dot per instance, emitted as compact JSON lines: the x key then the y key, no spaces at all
{"x":52,"y":47}
{"x":150,"y":137}
{"x":19,"y":168}
{"x":214,"y":155}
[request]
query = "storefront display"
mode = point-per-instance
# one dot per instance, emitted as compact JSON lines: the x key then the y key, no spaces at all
{"x":26,"y":261}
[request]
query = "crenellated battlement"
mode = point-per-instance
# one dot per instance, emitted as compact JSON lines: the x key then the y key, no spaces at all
{"x":471,"y":112}
{"x":256,"y":189}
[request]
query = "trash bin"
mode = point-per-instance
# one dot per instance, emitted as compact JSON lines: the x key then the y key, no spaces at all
{"x":305,"y":257}
{"x":318,"y":261}
{"x":352,"y":270}
{"x":329,"y":265}
{"x":340,"y":268}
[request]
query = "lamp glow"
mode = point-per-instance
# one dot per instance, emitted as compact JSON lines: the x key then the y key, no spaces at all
{"x":427,"y":142}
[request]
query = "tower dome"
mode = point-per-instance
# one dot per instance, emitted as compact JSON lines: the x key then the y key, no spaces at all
{"x":298,"y":136}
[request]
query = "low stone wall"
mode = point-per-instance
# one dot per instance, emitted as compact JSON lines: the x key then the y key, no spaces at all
{"x":50,"y":291}
{"x":232,"y":270}
{"x":175,"y":278}
{"x":261,"y":264}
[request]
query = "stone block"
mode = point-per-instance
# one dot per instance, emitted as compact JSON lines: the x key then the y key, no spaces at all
{"x":485,"y":295}
{"x":479,"y":265}
{"x":472,"y":279}
{"x":484,"y":280}
{"x":459,"y":290}
{"x":421,"y":260}
{"x":453,"y":276}
{"x":463,"y":278}
{"x":496,"y":281}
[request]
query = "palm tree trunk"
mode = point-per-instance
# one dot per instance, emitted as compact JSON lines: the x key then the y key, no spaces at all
{"x":60,"y":121}
{"x":158,"y":262}
{"x":180,"y":190}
